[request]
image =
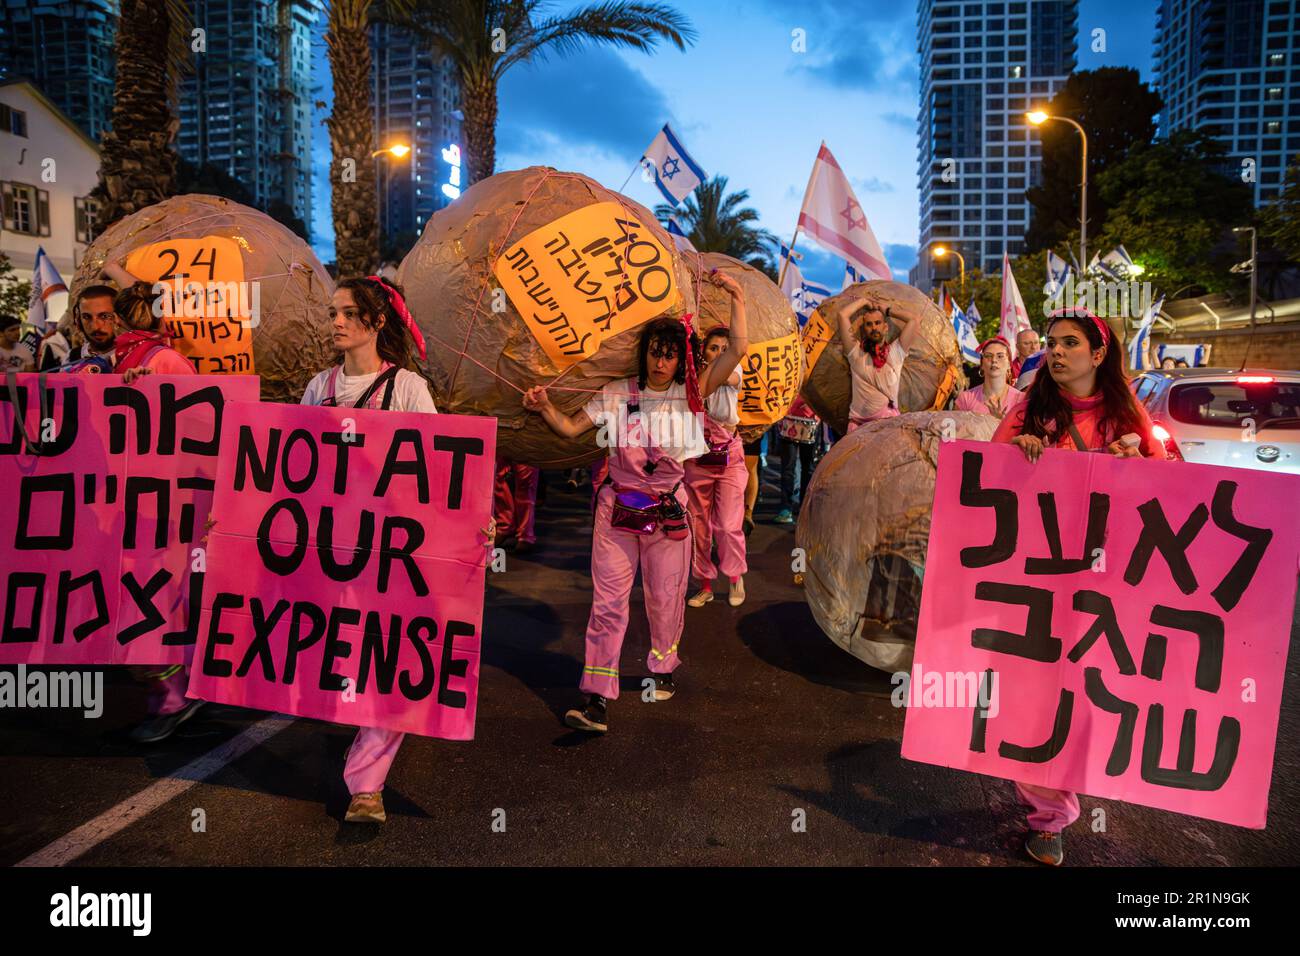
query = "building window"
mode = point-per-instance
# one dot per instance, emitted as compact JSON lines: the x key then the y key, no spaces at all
{"x":13,"y":121}
{"x":87,"y":214}
{"x":26,"y":209}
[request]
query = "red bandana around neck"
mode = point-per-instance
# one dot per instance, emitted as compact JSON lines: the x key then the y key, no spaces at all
{"x":879,"y":354}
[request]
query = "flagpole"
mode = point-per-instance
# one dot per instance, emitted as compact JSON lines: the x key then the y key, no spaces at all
{"x":635,"y":167}
{"x":812,"y":181}
{"x":785,"y":261}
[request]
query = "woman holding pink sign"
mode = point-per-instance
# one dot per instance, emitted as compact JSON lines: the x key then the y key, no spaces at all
{"x":650,"y":426}
{"x":1083,"y":403}
{"x":715,"y":486}
{"x":375,"y":333}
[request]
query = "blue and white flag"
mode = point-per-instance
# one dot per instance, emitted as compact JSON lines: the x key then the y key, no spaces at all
{"x":852,"y":275}
{"x":675,"y":173}
{"x":964,"y":326}
{"x":680,"y":239}
{"x":1137,"y":346}
{"x":1058,"y":272}
{"x":45,"y":282}
{"x":1118,"y":262}
{"x":804,"y":296}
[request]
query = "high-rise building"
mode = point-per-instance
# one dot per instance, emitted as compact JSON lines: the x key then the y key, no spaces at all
{"x":247,"y":106}
{"x":983,"y":65}
{"x":66,"y":49}
{"x":1232,"y":69}
{"x":415,"y":93}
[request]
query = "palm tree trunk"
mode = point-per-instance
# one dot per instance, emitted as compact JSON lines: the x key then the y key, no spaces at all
{"x":479,"y":101}
{"x":137,"y":167}
{"x":352,"y":169}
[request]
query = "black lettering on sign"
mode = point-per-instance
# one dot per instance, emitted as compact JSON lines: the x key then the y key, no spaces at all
{"x":60,"y":540}
{"x":137,"y":486}
{"x":1049,"y":748}
{"x":170,"y":408}
{"x":283,"y":564}
{"x":1122,"y":750}
{"x":1157,"y":534}
{"x":453,"y":666}
{"x":341,"y":449}
{"x":15,"y":633}
{"x":360,"y":554}
{"x":405,"y":554}
{"x":213,"y":667}
{"x":1238,"y":578}
{"x":1106,"y":623}
{"x":421,"y":632}
{"x":1037,"y":643}
{"x":138,"y":404}
{"x":459,"y":448}
{"x":1208,"y":629}
{"x":297,"y":642}
{"x":143,"y":596}
{"x":1005,"y":514}
{"x":375,"y":654}
{"x":336,"y":648}
{"x":68,"y":585}
{"x":1184,"y":775}
{"x":66,"y":433}
{"x":1098,"y":512}
{"x":415,"y":465}
{"x":980,"y":718}
{"x":247,"y":461}
{"x":260,"y":646}
{"x":299,"y":485}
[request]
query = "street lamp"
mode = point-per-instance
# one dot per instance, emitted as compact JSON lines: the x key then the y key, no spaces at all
{"x":1038,"y":118}
{"x":1253,"y":271}
{"x":398,"y":149}
{"x":940,"y":251}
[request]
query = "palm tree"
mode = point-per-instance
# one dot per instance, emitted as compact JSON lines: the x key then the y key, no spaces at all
{"x":714,"y":222}
{"x":137,"y":166}
{"x":485,"y":38}
{"x":353,"y":199}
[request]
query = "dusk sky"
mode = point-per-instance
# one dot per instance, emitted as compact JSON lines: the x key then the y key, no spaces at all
{"x":748,"y":107}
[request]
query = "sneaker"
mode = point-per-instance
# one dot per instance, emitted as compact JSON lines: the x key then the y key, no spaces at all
{"x":1045,"y":847}
{"x":664,"y":686}
{"x":701,"y":597}
{"x":737,"y":596}
{"x":784,"y":517}
{"x":366,"y":808}
{"x":592,"y":718}
{"x":156,"y":729}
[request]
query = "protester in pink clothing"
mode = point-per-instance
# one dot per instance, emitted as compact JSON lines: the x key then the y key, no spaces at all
{"x":650,"y":426}
{"x":374,"y":333}
{"x":1082,"y":403}
{"x":875,"y":365}
{"x":715,"y":486}
{"x":995,"y":396}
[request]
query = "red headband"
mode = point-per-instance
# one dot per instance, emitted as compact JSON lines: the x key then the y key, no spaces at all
{"x":1102,"y":328}
{"x":693,"y":399}
{"x":996,"y":340}
{"x":399,"y":306}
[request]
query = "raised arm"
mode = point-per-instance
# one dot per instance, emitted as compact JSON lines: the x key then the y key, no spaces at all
{"x":844,"y":321}
{"x":566,"y":426}
{"x":720,"y":369}
{"x":117,"y":272}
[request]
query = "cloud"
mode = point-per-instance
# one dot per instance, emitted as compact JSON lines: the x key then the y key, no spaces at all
{"x":904,"y":120}
{"x":901,"y":257}
{"x":593,"y":98}
{"x":873,"y":185}
{"x":855,"y":47}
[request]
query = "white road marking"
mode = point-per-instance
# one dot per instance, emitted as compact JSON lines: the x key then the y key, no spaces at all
{"x":112,"y":821}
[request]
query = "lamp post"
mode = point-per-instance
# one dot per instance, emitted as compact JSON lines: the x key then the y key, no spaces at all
{"x":940,"y":251}
{"x":399,"y":151}
{"x":1254,"y":269}
{"x":1038,"y":118}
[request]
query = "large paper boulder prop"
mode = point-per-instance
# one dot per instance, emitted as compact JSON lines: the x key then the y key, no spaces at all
{"x":771,"y":371}
{"x":254,"y":299}
{"x":538,"y":277}
{"x":865,"y":526}
{"x":931,"y":373}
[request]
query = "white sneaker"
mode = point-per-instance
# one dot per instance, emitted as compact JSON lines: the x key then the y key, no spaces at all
{"x":701,"y":598}
{"x":737,"y":596}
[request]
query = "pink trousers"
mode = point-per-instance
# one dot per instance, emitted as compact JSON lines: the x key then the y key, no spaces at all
{"x":716,"y":505}
{"x":165,"y":696}
{"x":665,"y":569}
{"x":371,"y":754}
{"x":1053,"y":810}
{"x":856,"y":423}
{"x":514,"y":499}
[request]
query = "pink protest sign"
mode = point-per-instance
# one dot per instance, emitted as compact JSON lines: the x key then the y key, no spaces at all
{"x":1125,"y":621}
{"x":105,"y":500}
{"x":347,"y":566}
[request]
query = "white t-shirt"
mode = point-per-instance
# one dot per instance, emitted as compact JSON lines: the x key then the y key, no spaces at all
{"x":722,"y":405}
{"x":874,"y":388}
{"x":410,"y":391}
{"x":677,"y":432}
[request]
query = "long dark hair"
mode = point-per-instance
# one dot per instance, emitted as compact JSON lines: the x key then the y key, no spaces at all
{"x":372,"y":301}
{"x":1047,"y":412}
{"x":134,"y":305}
{"x":665,"y":331}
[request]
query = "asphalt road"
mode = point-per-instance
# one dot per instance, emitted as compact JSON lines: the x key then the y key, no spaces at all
{"x":772,"y":726}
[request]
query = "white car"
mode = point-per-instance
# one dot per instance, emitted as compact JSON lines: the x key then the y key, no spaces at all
{"x":1218,"y":416}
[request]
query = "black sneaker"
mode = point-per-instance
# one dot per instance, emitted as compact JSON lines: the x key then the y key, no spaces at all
{"x":591,"y":718}
{"x":1045,"y":847}
{"x":157,"y":729}
{"x":664,"y":686}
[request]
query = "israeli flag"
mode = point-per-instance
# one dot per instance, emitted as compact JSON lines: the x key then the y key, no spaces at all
{"x":1058,"y":271}
{"x":804,"y":295}
{"x":852,"y":275}
{"x":675,"y":173}
{"x":1118,"y":262}
{"x":680,"y":239}
{"x":1137,"y":346}
{"x":964,"y":327}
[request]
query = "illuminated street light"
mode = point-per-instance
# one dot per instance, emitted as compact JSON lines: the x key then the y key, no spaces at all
{"x":940,"y":251}
{"x":399,"y":150}
{"x":1038,"y":118}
